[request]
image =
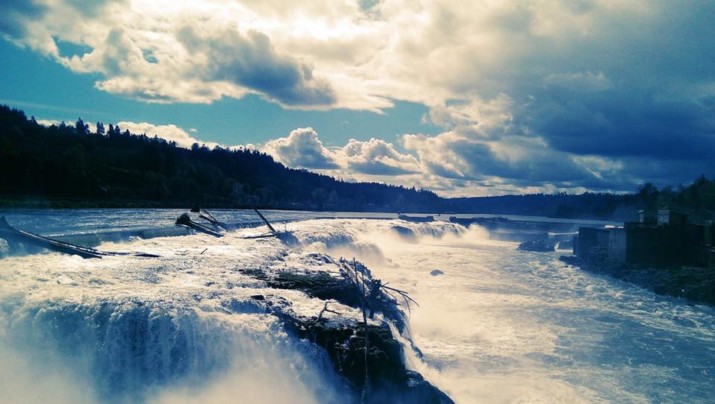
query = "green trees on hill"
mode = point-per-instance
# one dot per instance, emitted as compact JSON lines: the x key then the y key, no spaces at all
{"x":113,"y":167}
{"x":698,"y":196}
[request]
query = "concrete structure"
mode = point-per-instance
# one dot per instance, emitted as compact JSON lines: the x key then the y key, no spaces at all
{"x":668,"y":217}
{"x":617,"y":245}
{"x":669,"y":241}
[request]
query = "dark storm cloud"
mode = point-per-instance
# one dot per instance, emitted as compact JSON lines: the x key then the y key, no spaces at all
{"x":616,"y":98}
{"x":621,"y":125}
{"x":658,"y":77}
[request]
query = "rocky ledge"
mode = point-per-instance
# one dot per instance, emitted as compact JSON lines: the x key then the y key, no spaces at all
{"x":697,"y":285}
{"x":376,"y":374}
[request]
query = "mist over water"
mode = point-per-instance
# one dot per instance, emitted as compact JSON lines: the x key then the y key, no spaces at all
{"x":502,"y":325}
{"x":493,"y":325}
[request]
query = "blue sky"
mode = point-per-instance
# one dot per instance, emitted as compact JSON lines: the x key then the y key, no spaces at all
{"x":47,"y":90}
{"x":465,"y":98}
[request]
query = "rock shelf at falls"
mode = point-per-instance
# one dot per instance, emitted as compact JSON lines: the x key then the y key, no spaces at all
{"x":386,"y":377}
{"x":136,"y":328}
{"x":223,"y":319}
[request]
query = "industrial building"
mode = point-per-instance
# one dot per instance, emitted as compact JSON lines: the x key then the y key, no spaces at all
{"x":660,"y":239}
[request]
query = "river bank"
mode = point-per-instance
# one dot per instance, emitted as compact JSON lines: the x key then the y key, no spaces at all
{"x":696,"y":285}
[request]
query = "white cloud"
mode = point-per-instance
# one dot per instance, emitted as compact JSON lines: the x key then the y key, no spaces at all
{"x":451,"y":164}
{"x":377,"y":157}
{"x":167,"y":51}
{"x":543,"y":91}
{"x":327,"y":53}
{"x":301,"y":149}
{"x":49,"y":122}
{"x":171,"y":133}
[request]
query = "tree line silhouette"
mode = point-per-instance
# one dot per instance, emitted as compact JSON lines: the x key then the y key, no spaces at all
{"x":114,"y":167}
{"x":72,"y":166}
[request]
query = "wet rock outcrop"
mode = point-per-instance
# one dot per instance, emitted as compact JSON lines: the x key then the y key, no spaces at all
{"x":365,"y":352}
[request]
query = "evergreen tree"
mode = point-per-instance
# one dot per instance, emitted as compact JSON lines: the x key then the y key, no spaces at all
{"x":81,"y":128}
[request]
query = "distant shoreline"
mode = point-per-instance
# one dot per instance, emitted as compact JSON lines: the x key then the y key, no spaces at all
{"x":83,"y":203}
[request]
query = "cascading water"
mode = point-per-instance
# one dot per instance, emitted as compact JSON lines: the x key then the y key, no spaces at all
{"x":494,"y":324}
{"x":500,"y":325}
{"x":126,"y":329}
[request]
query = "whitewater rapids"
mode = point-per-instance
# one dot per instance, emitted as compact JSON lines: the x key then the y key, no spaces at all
{"x":494,"y":324}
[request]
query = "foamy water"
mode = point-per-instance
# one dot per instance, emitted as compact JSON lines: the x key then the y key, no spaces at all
{"x":501,"y":325}
{"x":498,"y":325}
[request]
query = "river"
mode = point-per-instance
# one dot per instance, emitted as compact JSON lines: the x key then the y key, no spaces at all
{"x":494,"y":324}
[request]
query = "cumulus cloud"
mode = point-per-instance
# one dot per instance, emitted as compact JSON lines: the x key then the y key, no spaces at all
{"x":167,"y":51}
{"x":377,"y":157}
{"x":562,"y":93}
{"x":514,"y":160}
{"x":301,"y":148}
{"x":452,"y":164}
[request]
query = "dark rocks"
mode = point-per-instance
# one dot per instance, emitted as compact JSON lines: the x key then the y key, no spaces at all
{"x":387,"y":378}
{"x":321,"y":285}
{"x":436,"y":272}
{"x":565,"y":242}
{"x":378,"y":376}
{"x":541,"y":245}
{"x":416,"y":219}
{"x":255,"y":273}
{"x":346,"y":349}
{"x":697,"y":285}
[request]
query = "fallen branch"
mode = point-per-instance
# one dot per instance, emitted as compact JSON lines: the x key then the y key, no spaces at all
{"x":209,"y":218}
{"x":372,"y":295}
{"x":13,"y":235}
{"x":372,"y":289}
{"x":404,"y":295}
{"x":185,"y":220}
{"x":320,"y":315}
{"x":270,"y":227}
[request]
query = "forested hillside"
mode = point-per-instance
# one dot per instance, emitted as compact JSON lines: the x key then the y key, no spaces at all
{"x":111,"y":167}
{"x":71,"y":166}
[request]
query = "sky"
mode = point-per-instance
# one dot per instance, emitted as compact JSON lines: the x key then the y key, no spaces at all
{"x":461,"y":97}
